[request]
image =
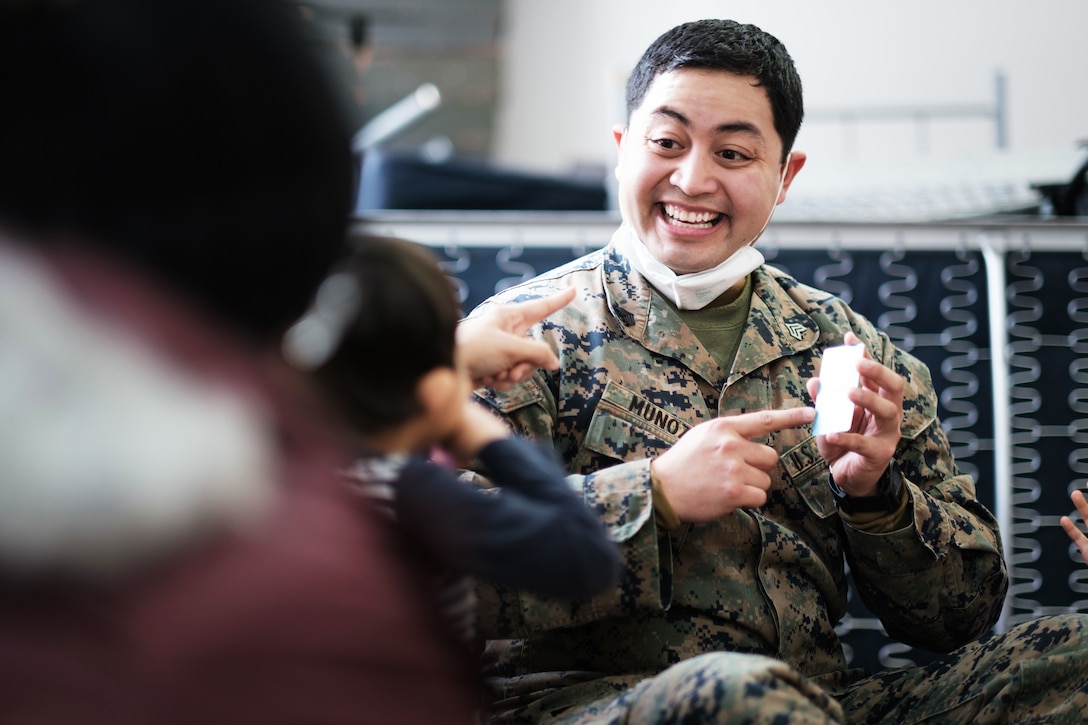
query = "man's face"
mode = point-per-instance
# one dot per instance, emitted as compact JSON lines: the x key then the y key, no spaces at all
{"x":699,"y":167}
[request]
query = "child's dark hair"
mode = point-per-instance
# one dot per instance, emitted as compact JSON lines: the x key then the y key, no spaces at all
{"x":401,"y":320}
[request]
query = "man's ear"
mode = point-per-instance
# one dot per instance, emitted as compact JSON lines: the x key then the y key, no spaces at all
{"x":618,"y":132}
{"x":796,"y":160}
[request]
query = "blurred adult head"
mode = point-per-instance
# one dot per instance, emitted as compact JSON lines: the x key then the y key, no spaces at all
{"x":198,"y":140}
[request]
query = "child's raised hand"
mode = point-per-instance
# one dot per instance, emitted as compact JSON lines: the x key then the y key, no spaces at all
{"x":495,"y":348}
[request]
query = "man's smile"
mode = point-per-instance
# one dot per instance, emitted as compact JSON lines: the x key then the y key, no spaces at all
{"x":679,"y":216}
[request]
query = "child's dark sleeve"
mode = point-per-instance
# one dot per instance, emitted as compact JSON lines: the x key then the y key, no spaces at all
{"x":532,"y":533}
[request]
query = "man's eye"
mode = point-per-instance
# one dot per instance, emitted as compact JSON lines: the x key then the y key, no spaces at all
{"x":665,"y":143}
{"x":732,"y":155}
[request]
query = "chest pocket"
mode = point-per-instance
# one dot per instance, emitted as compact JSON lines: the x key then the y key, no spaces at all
{"x":807,"y":473}
{"x":626,"y":426}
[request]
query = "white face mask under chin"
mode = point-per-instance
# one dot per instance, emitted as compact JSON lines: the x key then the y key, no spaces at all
{"x":696,"y":290}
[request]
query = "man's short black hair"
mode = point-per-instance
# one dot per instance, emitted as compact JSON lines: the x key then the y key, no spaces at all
{"x":726,"y":45}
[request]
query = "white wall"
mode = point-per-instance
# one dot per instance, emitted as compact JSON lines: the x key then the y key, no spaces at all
{"x":566,"y":62}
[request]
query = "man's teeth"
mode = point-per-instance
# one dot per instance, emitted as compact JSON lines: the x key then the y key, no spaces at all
{"x":691,"y":217}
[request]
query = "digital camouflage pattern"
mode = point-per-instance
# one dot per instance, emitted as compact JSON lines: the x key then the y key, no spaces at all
{"x":769,"y":581}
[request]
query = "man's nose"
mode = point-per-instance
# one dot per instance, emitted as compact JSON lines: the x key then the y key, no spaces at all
{"x":695,"y":174}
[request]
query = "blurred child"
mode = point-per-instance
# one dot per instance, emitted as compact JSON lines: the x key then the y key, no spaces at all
{"x":381,"y":340}
{"x":175,"y":546}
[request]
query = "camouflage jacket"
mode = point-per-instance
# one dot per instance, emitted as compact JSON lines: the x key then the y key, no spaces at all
{"x":771,"y":580}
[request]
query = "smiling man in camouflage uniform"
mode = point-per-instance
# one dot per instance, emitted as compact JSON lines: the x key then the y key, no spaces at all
{"x":683,"y":409}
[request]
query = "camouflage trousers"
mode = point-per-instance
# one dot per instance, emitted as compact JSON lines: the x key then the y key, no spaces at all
{"x":1035,"y":673}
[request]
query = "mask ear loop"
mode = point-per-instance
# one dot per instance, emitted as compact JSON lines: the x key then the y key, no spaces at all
{"x":781,"y":183}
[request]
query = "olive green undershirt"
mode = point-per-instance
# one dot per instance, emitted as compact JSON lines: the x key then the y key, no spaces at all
{"x":720,"y":325}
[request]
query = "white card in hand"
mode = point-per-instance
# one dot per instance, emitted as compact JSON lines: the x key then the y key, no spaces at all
{"x":838,"y":374}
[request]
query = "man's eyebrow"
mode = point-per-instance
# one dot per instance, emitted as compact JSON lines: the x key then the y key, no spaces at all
{"x":734,"y":127}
